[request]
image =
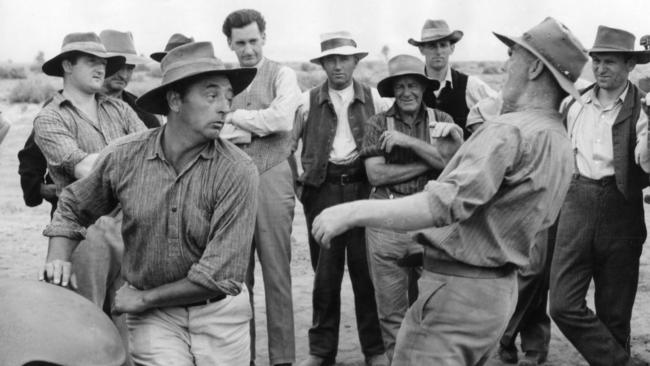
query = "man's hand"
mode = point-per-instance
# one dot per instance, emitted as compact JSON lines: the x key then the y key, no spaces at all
{"x":58,"y":272}
{"x":447,"y":129}
{"x":332,"y":222}
{"x":390,"y":139}
{"x":48,"y":191}
{"x":129,"y":300}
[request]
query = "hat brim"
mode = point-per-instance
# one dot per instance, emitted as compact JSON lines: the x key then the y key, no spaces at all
{"x":641,"y":57}
{"x":155,"y":100}
{"x":158,"y":56}
{"x":53,"y":66}
{"x":385,"y":86}
{"x":453,"y":37}
{"x":131,"y":59}
{"x":343,"y":51}
{"x":565,"y":83}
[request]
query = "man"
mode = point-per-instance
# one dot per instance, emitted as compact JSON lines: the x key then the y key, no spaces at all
{"x":601,"y":229}
{"x":260,"y":124}
{"x":71,"y":130}
{"x":186,"y":236}
{"x":121,"y":44}
{"x":458,"y":92}
{"x":330,"y":123}
{"x":177,"y":39}
{"x":502,"y":187}
{"x":401,"y":153}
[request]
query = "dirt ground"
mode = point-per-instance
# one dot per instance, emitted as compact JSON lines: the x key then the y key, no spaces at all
{"x":22,"y":251}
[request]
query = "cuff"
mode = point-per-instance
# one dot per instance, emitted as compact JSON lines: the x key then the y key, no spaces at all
{"x":201,"y":275}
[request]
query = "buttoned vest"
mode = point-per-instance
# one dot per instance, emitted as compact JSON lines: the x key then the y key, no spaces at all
{"x":452,"y":100}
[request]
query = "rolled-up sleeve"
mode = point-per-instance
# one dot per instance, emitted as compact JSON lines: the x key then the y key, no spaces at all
{"x":84,"y":201}
{"x":474,"y":174}
{"x":224,"y":262}
{"x":57,"y":143}
{"x":375,"y":126}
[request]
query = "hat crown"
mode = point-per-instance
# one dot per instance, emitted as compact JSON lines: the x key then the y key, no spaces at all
{"x":435,"y":26}
{"x":613,"y":39}
{"x":405,"y":64}
{"x":187,"y":59}
{"x":333,"y":40}
{"x":118,"y":42}
{"x":88,"y":41}
{"x":555,"y":42}
{"x":177,"y":39}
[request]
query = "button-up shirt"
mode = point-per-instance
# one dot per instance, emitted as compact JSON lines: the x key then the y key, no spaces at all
{"x":502,"y":187}
{"x":66,"y":135}
{"x":476,"y":89}
{"x":590,"y":127}
{"x":197,"y":223}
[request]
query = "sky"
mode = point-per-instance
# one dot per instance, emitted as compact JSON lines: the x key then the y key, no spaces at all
{"x":294,"y":26}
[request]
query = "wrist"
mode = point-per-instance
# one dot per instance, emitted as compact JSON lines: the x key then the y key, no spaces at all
{"x":148,"y":298}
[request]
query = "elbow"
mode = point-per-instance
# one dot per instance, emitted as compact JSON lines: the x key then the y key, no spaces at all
{"x":375,"y":179}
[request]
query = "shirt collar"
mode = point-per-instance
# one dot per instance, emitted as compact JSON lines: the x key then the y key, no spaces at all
{"x":591,"y":95}
{"x":324,"y":95}
{"x":155,"y":150}
{"x":392,"y":112}
{"x":59,"y":99}
{"x":448,"y":78}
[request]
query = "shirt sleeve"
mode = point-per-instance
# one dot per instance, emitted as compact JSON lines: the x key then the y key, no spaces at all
{"x":84,"y":201}
{"x":477,"y":90}
{"x":641,"y":149}
{"x":474,"y":174}
{"x":279,"y":115}
{"x":57,"y":143}
{"x":224,"y":262}
{"x":375,"y":126}
{"x":300,"y":120}
{"x":381,"y":104}
{"x":133,"y":122}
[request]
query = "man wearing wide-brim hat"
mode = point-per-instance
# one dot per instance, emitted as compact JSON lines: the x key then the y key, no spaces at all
{"x":403,"y":149}
{"x":601,"y":228}
{"x":458,"y":92}
{"x":176,"y":39}
{"x":330,"y":121}
{"x":187,"y":235}
{"x":121,"y":44}
{"x":478,"y":220}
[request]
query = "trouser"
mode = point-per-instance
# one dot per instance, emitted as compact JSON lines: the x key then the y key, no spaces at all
{"x":329,"y":266}
{"x":214,"y":334}
{"x":97,"y":263}
{"x":456,"y":320}
{"x":272,"y":242}
{"x":600,"y":237}
{"x":392,"y":282}
{"x":530,"y":319}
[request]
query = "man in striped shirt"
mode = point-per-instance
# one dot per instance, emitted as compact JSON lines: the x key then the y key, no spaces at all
{"x":479,"y":219}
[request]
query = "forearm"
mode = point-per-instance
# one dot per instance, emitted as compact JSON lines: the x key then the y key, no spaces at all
{"x":382,"y":174}
{"x":430,"y":154}
{"x":407,"y":213}
{"x":181,"y":292}
{"x":61,"y":248}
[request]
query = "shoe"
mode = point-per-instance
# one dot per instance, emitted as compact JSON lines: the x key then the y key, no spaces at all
{"x":533,"y":358}
{"x":314,"y":360}
{"x":377,"y":360}
{"x":508,"y":354}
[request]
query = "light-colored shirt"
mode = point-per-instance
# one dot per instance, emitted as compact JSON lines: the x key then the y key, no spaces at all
{"x":241,"y":123}
{"x":476,"y":89}
{"x":503,"y":186}
{"x":344,"y":148}
{"x":197,"y":224}
{"x":590,"y":128}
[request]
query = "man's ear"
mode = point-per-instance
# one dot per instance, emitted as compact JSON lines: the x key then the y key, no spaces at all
{"x":67,"y":66}
{"x":535,"y":69}
{"x":230,"y":43}
{"x":174,"y":101}
{"x":452,"y":47}
{"x":263,"y":36}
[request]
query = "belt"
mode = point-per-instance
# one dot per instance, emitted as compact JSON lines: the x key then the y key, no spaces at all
{"x":465,"y":270}
{"x":602,"y":181}
{"x":206,"y":302}
{"x":343,"y":179}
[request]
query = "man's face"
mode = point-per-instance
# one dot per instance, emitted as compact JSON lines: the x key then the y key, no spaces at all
{"x":339,"y":70}
{"x":247,"y":42}
{"x":436,"y":54}
{"x":204,"y":107}
{"x":611,"y":70}
{"x":517,"y":76}
{"x":117,"y":82}
{"x":408,"y":93}
{"x":87,"y":74}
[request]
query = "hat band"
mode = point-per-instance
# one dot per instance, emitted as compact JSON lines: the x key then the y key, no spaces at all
{"x":435,"y":32}
{"x":561,"y":68}
{"x":83,"y":46}
{"x":336,"y":43}
{"x":195,"y":62}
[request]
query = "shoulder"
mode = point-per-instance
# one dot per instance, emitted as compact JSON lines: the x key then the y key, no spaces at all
{"x":235,"y":159}
{"x":133,"y":141}
{"x":441,"y":116}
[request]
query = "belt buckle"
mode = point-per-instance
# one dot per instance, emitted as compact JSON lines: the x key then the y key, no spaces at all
{"x":344,"y":179}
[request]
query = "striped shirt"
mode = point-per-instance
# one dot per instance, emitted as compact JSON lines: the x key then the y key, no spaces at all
{"x":419,"y":128}
{"x":66,"y":135}
{"x":505,"y":184}
{"x":197,"y":224}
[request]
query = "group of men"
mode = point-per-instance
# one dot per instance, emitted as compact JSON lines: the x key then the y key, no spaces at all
{"x":421,"y":179}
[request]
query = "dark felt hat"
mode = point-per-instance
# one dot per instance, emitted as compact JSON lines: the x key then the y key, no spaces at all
{"x":89,"y":43}
{"x":404,"y":65}
{"x":175,"y":40}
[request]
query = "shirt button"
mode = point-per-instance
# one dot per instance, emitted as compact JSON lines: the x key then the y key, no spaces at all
{"x":173,"y":209}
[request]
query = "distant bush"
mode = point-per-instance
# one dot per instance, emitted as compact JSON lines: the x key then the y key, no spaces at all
{"x":12,"y":72}
{"x":492,"y":70}
{"x":155,"y":71}
{"x":36,"y":89}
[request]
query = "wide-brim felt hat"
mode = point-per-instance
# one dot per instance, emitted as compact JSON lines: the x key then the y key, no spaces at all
{"x":401,"y":66}
{"x":188,"y":61}
{"x":88,"y":43}
{"x":612,"y":40}
{"x":177,"y":39}
{"x":121,"y":44}
{"x":435,"y":30}
{"x":48,"y":323}
{"x":555,"y":45}
{"x":338,"y":43}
